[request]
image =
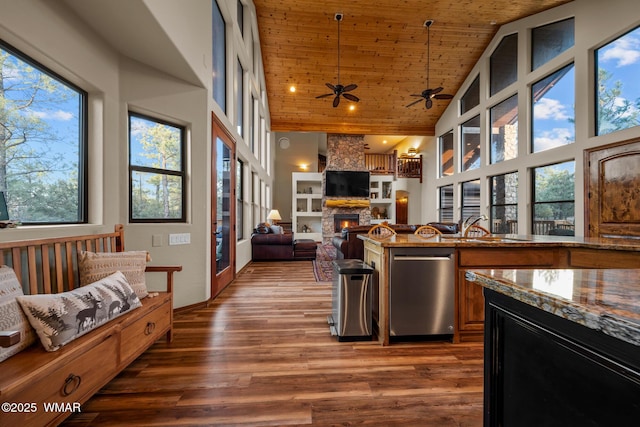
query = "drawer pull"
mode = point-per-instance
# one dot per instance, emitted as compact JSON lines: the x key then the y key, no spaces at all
{"x":71,"y":384}
{"x":151,"y":326}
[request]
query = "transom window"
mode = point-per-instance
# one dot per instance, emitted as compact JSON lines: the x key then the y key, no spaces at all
{"x":43,"y":142}
{"x":446,"y":154}
{"x":553,"y":109}
{"x":470,"y":142}
{"x":549,"y":41}
{"x":471,"y":97}
{"x":504,"y":64}
{"x":618,"y":86}
{"x":156,"y":170}
{"x":504,"y":130}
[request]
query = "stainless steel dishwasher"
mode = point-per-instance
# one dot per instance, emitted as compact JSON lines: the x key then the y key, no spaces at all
{"x":421,"y":291}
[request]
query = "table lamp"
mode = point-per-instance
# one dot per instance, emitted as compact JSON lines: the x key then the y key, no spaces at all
{"x":274,"y":216}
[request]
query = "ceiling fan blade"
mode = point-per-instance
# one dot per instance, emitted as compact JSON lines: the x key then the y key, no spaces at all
{"x":325,"y":95}
{"x":350,"y":87}
{"x":351,"y":97}
{"x":436,"y":90}
{"x":330,"y":86}
{"x":429,"y":103}
{"x":336,"y":101}
{"x":414,"y":103}
{"x":443,"y":96}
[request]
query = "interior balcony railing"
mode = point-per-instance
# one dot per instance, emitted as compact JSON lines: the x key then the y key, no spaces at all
{"x":391,"y":164}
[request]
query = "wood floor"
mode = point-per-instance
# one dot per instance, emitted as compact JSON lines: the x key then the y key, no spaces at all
{"x":261,"y":355}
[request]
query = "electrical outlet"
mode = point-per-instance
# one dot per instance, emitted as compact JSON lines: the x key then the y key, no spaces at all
{"x":180,"y":239}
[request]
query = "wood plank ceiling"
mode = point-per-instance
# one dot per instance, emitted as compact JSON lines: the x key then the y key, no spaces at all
{"x":383,"y":49}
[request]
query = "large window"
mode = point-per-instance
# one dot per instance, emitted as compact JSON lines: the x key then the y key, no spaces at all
{"x":504,"y":64}
{"x":219,"y":58}
{"x":240,"y":11}
{"x":504,"y":203}
{"x":156,"y":170}
{"x":470,"y":144}
{"x":240,"y":99}
{"x":240,"y":199}
{"x":618,"y":86}
{"x":549,"y":41}
{"x":553,"y":197}
{"x":470,"y":201}
{"x":43,"y":148}
{"x":471,"y":97}
{"x":504,"y":130}
{"x":553,"y":109}
{"x":446,"y":203}
{"x":446,"y":154}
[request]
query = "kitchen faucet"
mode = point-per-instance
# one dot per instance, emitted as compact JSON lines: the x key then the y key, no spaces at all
{"x":472,"y":220}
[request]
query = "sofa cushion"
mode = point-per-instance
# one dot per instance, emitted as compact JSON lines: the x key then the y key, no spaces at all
{"x":12,"y":317}
{"x":94,"y":266}
{"x":276,"y":229}
{"x":60,"y":318}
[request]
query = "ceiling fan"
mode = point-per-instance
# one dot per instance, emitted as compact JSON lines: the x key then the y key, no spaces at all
{"x":429,"y":94}
{"x":338,"y":89}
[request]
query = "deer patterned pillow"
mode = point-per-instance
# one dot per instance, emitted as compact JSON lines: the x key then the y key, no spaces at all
{"x":60,"y":318}
{"x":11,"y":316}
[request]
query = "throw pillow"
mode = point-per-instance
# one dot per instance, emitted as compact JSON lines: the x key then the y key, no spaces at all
{"x":263,"y":228}
{"x":276,"y":229}
{"x":11,"y":316}
{"x":95,"y":266}
{"x":60,"y":318}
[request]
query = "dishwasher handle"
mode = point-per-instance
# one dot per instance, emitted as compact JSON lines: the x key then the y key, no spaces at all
{"x":421,"y":258}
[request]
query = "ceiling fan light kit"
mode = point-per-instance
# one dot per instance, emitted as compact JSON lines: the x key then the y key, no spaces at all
{"x":338,"y":89}
{"x":429,"y":94}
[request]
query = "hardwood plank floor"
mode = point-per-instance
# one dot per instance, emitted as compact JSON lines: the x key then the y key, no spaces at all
{"x":261,"y":355}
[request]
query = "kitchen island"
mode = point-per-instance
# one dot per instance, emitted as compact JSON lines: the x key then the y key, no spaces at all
{"x":562,"y":346}
{"x":495,"y":251}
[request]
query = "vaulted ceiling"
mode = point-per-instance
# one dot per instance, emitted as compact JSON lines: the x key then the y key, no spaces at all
{"x":383,"y":49}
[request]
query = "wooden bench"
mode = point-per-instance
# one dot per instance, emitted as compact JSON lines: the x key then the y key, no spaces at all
{"x":71,"y":375}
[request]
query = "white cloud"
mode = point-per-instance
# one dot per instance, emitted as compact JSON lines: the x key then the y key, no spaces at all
{"x":548,"y":108}
{"x":625,"y":51}
{"x":553,"y":138}
{"x":60,"y":115}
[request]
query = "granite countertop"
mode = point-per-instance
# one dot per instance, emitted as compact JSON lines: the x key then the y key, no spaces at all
{"x":607,"y":300}
{"x":503,"y":240}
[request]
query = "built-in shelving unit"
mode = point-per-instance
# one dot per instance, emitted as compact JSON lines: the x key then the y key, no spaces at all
{"x":306,"y":216}
{"x":383,"y":195}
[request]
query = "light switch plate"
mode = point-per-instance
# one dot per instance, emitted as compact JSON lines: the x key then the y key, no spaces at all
{"x":156,"y":240}
{"x":180,"y":239}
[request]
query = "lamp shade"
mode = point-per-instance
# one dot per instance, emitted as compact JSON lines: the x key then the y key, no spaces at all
{"x":274,"y":215}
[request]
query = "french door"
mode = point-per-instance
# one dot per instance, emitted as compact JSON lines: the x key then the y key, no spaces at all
{"x":223,"y":224}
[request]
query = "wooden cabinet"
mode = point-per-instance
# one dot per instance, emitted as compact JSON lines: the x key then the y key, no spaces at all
{"x":541,"y":370}
{"x":469,"y":324}
{"x":75,"y":381}
{"x":142,"y":333}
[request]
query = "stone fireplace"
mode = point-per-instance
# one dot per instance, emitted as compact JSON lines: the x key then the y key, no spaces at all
{"x":344,"y":152}
{"x":341,"y":221}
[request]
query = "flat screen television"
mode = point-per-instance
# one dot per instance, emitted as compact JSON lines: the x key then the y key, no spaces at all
{"x":346,"y":184}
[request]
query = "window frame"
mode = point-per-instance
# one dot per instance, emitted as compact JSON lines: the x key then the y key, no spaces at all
{"x":463,"y":205}
{"x":442,"y":208}
{"x":535,"y":203}
{"x":83,"y":134}
{"x":182,"y":174}
{"x":493,"y":205}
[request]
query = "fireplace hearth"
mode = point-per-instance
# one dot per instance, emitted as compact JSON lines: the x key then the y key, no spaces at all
{"x":341,"y":221}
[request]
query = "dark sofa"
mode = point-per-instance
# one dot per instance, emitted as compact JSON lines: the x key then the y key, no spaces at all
{"x":348,"y":246}
{"x":269,"y":246}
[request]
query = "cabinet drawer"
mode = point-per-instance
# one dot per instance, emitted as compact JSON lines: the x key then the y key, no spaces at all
{"x":592,"y":258}
{"x":138,"y":336}
{"x":72,"y":383}
{"x":511,"y":257}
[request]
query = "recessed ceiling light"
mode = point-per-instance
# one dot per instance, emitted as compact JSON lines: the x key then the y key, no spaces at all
{"x":384,"y":141}
{"x":352,"y":107}
{"x":292,"y":89}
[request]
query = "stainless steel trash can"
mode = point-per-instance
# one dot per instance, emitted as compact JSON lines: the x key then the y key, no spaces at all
{"x":350,"y":318}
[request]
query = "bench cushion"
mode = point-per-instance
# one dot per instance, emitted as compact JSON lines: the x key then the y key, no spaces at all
{"x":60,"y":318}
{"x":94,"y":266}
{"x":11,"y":316}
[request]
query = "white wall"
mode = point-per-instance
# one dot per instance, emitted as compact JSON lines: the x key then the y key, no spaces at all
{"x":594,"y":25}
{"x":63,"y":35}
